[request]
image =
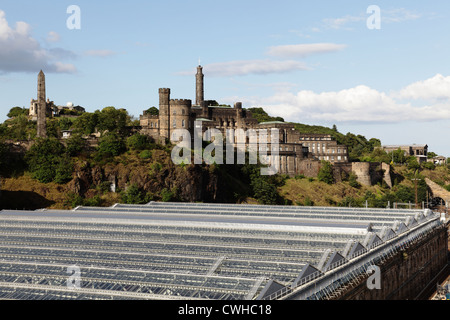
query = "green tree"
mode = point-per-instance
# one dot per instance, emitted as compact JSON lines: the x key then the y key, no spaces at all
{"x":152,"y":111}
{"x":44,"y":159}
{"x":431,"y":155}
{"x":133,"y":195}
{"x":17,"y":111}
{"x":413,"y":164}
{"x":112,"y":120}
{"x":261,"y":116}
{"x":399,"y":156}
{"x":19,"y":128}
{"x":65,"y":123}
{"x":138,"y":142}
{"x":168,"y":195}
{"x":86,"y":123}
{"x":111,"y":144}
{"x":264,"y":191}
{"x":353,"y":180}
{"x":75,"y":145}
{"x":64,"y":169}
{"x":404,"y":194}
{"x":326,"y":172}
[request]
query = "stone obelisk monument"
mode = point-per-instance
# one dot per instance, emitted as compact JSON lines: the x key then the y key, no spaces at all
{"x":199,"y":96}
{"x":42,"y":107}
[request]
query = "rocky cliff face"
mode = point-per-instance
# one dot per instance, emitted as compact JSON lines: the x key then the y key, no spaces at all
{"x":191,"y":183}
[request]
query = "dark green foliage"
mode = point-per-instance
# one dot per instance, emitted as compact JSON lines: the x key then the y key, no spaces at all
{"x":139,"y":142}
{"x":46,"y":161}
{"x":17,"y":111}
{"x":134,"y":195}
{"x":350,"y":202}
{"x":352,"y":180}
{"x":262,"y":116}
{"x":308,"y":202}
{"x":146,"y":154}
{"x":412,"y":163}
{"x":168,"y":195}
{"x":377,"y":155}
{"x":74,"y":200}
{"x":110,"y":145}
{"x":264,"y":191}
{"x":399,"y":156}
{"x":153,"y":111}
{"x":431,"y":155}
{"x":86,"y":123}
{"x":326,"y":172}
{"x":428,"y":165}
{"x":64,"y":169}
{"x":65,"y":123}
{"x":18,"y":128}
{"x":404,"y":194}
{"x":112,"y":119}
{"x":53,"y":129}
{"x":12,"y":164}
{"x":262,"y":188}
{"x":75,"y":145}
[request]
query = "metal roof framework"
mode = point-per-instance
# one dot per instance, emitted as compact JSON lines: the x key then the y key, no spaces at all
{"x":187,"y":251}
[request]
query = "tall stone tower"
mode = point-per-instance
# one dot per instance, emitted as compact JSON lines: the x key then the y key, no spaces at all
{"x":41,"y":107}
{"x":199,"y":97}
{"x":164,"y":114}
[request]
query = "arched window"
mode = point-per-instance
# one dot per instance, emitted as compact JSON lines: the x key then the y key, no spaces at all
{"x":182,"y":123}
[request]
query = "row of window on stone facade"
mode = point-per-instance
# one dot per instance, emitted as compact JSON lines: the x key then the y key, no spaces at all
{"x":333,"y":158}
{"x":324,"y":150}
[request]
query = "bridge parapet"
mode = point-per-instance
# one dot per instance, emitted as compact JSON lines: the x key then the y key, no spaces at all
{"x":438,"y":191}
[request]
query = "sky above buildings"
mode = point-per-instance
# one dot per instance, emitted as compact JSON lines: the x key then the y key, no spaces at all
{"x":323,"y":62}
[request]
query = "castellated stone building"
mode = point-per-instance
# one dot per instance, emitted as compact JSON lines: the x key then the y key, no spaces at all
{"x":297,"y":154}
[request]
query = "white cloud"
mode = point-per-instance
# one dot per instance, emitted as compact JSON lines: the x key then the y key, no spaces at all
{"x":100,"y":53}
{"x":360,"y":104}
{"x":20,"y":52}
{"x":435,"y":88}
{"x":246,"y":67}
{"x":53,"y":36}
{"x":303,"y":50}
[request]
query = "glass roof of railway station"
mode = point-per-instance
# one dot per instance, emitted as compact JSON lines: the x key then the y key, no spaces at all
{"x":185,"y":250}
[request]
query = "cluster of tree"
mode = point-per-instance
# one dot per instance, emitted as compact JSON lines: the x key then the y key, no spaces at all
{"x":261,"y":116}
{"x":398,"y":157}
{"x":109,"y":119}
{"x":400,"y":194}
{"x":49,"y":161}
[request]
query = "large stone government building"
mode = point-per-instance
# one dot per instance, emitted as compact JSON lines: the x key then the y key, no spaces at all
{"x":298,"y":153}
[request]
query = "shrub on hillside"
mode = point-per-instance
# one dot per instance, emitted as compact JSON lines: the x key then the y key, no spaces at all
{"x":326,"y":172}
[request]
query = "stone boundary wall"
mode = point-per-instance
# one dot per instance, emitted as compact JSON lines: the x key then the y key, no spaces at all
{"x":408,"y":273}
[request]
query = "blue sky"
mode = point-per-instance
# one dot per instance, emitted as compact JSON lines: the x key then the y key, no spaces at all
{"x":314,"y":62}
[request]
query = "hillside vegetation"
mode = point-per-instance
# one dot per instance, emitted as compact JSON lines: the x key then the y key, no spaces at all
{"x":128,"y":167}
